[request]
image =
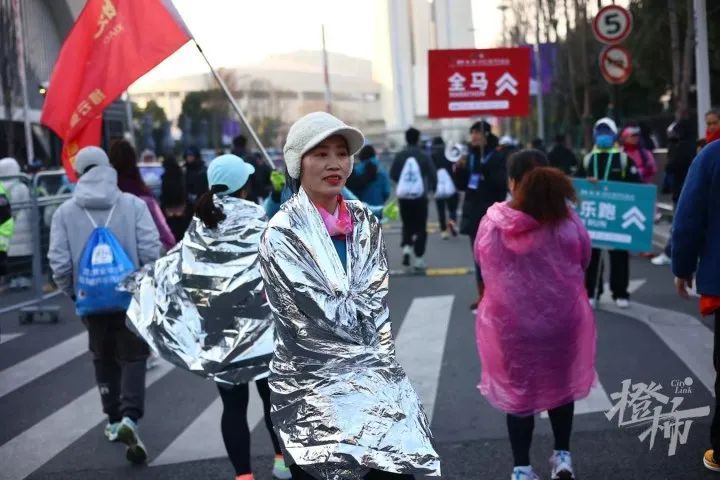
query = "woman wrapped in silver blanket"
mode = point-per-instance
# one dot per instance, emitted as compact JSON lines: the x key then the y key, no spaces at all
{"x":342,"y":405}
{"x":203,"y":306}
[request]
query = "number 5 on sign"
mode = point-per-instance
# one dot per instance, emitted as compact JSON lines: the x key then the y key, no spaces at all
{"x":612,"y":24}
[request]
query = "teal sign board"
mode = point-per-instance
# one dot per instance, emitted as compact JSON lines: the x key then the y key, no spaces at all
{"x":617,"y":215}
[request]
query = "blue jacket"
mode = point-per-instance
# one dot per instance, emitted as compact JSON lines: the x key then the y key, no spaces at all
{"x":377,"y":191}
{"x":696,"y":227}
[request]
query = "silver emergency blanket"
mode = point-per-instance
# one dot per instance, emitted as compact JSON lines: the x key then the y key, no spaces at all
{"x":202,"y":306}
{"x":341,"y":402}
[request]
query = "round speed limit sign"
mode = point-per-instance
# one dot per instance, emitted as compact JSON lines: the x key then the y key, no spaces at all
{"x":612,"y":24}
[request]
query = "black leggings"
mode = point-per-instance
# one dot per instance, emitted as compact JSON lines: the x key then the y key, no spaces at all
{"x":300,"y":474}
{"x":521,"y":430}
{"x":234,"y":424}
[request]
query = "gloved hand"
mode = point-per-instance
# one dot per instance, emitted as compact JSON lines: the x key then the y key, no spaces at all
{"x":277,"y":179}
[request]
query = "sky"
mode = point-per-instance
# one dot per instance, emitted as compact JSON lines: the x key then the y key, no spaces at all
{"x":242,"y":32}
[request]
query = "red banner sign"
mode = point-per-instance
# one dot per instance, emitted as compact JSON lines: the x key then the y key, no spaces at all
{"x":112,"y":44}
{"x":471,"y":82}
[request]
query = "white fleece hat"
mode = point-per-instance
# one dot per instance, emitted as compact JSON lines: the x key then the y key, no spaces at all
{"x":90,"y":157}
{"x":308,"y":132}
{"x":608,"y":122}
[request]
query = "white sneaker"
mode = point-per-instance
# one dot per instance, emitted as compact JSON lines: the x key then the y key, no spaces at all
{"x":523,"y":473}
{"x":661,"y":260}
{"x":622,"y":303}
{"x":561,"y":466}
{"x":445,"y":235}
{"x":407,"y":255}
{"x":420,"y":264}
{"x":593,"y":303}
{"x":111,"y":430}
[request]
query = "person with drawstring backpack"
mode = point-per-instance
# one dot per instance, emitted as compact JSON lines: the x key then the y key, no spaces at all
{"x":97,"y":238}
{"x":607,"y":163}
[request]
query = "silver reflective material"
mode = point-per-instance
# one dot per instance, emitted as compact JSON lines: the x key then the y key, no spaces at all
{"x":341,"y":402}
{"x":202,"y":306}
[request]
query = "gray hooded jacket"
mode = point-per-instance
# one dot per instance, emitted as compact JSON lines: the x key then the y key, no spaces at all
{"x":131,"y":223}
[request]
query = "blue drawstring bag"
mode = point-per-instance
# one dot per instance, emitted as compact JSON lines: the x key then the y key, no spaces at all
{"x":103,"y":265}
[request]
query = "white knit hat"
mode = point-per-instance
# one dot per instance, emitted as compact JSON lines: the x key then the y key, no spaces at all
{"x":308,"y":132}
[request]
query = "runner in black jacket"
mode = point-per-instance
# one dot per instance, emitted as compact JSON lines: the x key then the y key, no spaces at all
{"x":483,"y":177}
{"x":414,"y":211}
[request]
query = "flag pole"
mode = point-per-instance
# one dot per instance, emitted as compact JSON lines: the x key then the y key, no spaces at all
{"x":236,"y":107}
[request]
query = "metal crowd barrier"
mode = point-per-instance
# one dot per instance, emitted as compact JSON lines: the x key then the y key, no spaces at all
{"x":32,"y":224}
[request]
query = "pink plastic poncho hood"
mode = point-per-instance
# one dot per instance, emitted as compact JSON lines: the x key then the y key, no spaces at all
{"x":535,"y":328}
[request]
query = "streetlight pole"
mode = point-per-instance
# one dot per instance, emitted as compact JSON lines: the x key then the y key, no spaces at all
{"x":538,"y":71}
{"x":29,"y":146}
{"x":503,"y":9}
{"x":326,"y":74}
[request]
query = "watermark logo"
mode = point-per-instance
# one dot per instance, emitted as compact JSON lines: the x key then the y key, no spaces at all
{"x":644,"y":405}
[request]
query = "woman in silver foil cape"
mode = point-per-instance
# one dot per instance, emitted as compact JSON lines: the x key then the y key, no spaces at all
{"x":203,"y":308}
{"x":342,"y":405}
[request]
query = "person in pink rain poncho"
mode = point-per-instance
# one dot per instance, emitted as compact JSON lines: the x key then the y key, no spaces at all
{"x":535,"y":328}
{"x":642,"y":157}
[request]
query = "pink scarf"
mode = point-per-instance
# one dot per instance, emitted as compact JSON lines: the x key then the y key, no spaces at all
{"x":340,"y":226}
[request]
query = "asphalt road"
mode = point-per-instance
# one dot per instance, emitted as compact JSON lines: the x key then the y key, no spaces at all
{"x":52,"y":424}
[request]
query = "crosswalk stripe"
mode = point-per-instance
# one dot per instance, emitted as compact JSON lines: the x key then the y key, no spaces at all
{"x":203,"y":438}
{"x":38,"y":365}
{"x":686,"y":336}
{"x":30,"y":450}
{"x":634,"y":285}
{"x":420,"y":345}
{"x":596,"y":401}
{"x":6,"y":337}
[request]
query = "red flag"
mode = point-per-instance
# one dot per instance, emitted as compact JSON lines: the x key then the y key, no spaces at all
{"x":112,"y":44}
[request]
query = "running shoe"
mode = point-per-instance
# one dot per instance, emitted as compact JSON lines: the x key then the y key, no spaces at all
{"x":407,"y":253}
{"x":622,"y":303}
{"x":280,"y":471}
{"x":128,"y":434}
{"x":111,"y":431}
{"x":561,"y":466}
{"x":661,"y":260}
{"x":523,"y":473}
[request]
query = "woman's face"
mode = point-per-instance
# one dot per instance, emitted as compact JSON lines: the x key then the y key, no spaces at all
{"x":632,"y":139}
{"x":712,"y":122}
{"x":326,"y":168}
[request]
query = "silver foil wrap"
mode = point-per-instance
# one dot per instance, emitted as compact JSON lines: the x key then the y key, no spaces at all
{"x":341,"y":402}
{"x":203,"y":306}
